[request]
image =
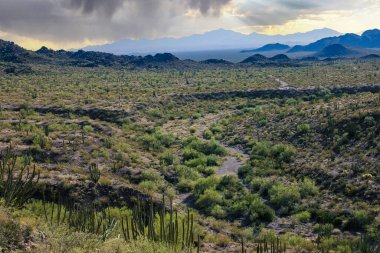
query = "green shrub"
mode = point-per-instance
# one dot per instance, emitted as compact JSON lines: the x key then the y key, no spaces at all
{"x":189,"y":153}
{"x":10,"y":235}
{"x":88,"y":128}
{"x":207,"y":134}
{"x":307,"y":187}
{"x":208,"y":199}
{"x":186,"y":172}
{"x":260,"y":185}
{"x":303,"y":129}
{"x":150,"y":175}
{"x":148,"y":186}
{"x":167,"y":158}
{"x":205,"y":183}
{"x":302,"y":216}
{"x":283,"y":153}
{"x":156,"y":141}
{"x":218,"y":212}
{"x":284,"y":197}
{"x":185,"y":185}
{"x":149,"y":142}
{"x":257,"y":211}
{"x":40,"y":141}
{"x":369,"y":121}
{"x":359,"y":220}
{"x":291,"y":101}
{"x":260,"y":150}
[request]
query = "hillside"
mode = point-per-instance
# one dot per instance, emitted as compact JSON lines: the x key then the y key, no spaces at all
{"x":268,"y":47}
{"x":255,"y":58}
{"x":369,"y":39}
{"x":338,"y":50}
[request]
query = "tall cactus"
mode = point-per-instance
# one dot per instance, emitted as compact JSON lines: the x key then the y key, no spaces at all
{"x":94,"y":172}
{"x":79,"y":217}
{"x":17,"y":183}
{"x":143,"y":223}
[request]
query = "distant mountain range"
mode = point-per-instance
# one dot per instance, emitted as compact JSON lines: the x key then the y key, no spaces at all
{"x":215,"y":40}
{"x":19,"y":60}
{"x":12,"y":53}
{"x":369,"y":39}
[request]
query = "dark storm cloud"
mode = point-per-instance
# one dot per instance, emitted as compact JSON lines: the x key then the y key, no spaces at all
{"x":207,"y":6}
{"x":107,"y":7}
{"x":76,"y":20}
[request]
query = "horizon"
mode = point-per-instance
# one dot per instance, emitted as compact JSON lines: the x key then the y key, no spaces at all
{"x":67,"y":24}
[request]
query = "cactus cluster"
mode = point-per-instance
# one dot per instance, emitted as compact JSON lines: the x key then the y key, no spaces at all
{"x":79,"y":217}
{"x":274,"y":246}
{"x":17,"y":182}
{"x":160,"y":225}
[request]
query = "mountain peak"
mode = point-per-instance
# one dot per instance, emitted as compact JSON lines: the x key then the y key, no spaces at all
{"x":269,"y":47}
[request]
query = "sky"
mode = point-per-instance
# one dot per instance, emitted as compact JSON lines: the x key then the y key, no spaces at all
{"x":77,"y":23}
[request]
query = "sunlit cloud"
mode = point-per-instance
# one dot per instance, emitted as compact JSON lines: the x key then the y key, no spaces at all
{"x":77,"y":23}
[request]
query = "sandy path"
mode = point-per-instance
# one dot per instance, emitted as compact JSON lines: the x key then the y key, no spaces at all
{"x":233,"y":162}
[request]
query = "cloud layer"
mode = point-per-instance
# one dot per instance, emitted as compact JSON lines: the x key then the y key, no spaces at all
{"x":67,"y":21}
{"x":99,"y":19}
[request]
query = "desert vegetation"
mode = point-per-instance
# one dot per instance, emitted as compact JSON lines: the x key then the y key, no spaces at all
{"x":117,"y":159}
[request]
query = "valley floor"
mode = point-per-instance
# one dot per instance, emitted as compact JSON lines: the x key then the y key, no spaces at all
{"x":260,"y":155}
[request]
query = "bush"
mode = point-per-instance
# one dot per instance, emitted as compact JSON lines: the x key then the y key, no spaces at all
{"x":40,"y":141}
{"x":284,"y":197}
{"x":369,"y":121}
{"x":189,"y":153}
{"x":265,"y":156}
{"x":205,"y":183}
{"x":359,"y":220}
{"x":291,"y":101}
{"x":209,"y":199}
{"x":218,"y":212}
{"x":302,"y":216}
{"x":230,"y":183}
{"x":307,"y":187}
{"x":303,"y":129}
{"x":185,"y":185}
{"x":149,"y":142}
{"x":167,"y":158}
{"x":186,"y":172}
{"x":261,"y":185}
{"x":151,"y":175}
{"x":148,"y":186}
{"x":260,"y":150}
{"x":257,"y":211}
{"x":156,"y":141}
{"x":207,"y":134}
{"x":283,"y":153}
{"x":213,"y":148}
{"x":88,"y":128}
{"x":10,"y":235}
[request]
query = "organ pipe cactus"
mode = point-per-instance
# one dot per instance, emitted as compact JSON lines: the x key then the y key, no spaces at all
{"x":159,"y":225}
{"x":94,"y":173}
{"x":17,"y":182}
